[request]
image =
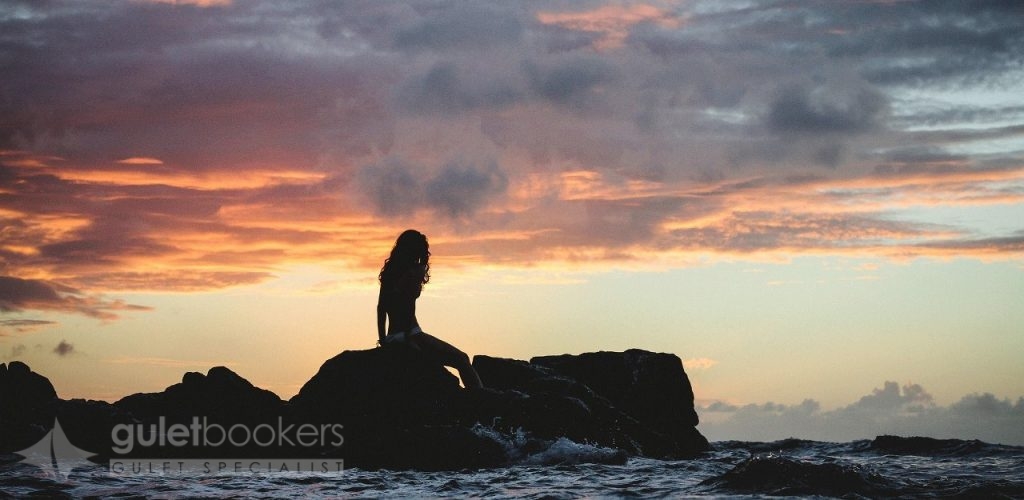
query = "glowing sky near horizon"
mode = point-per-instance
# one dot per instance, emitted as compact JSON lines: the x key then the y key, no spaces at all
{"x":800,"y":199}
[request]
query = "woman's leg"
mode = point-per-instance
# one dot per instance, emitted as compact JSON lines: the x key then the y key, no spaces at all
{"x":449,"y":355}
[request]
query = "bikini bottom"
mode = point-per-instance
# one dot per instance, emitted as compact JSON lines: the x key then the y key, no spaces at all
{"x":401,"y":337}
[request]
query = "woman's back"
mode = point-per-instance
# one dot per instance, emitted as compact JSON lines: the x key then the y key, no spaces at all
{"x":399,"y":289}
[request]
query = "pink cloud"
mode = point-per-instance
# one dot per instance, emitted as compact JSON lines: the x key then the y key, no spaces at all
{"x":184,"y":148}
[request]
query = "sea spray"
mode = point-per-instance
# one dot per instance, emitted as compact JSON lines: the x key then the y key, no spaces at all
{"x":523,"y":449}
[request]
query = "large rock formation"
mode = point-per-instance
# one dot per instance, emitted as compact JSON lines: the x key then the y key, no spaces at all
{"x":636,"y":400}
{"x":27,"y":406}
{"x":651,"y":387}
{"x":221,"y":395}
{"x":393,"y":386}
{"x":399,"y":411}
{"x":396,"y":409}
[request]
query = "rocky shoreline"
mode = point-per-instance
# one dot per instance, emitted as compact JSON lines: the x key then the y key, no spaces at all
{"x":381,"y":408}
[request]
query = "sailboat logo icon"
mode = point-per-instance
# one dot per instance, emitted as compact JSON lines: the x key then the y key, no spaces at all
{"x":55,"y":454}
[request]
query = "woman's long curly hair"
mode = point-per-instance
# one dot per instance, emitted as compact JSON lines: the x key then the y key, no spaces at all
{"x":411,"y":249}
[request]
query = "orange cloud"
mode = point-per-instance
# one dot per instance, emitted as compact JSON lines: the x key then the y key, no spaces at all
{"x":24,"y":159}
{"x":248,"y":179}
{"x":94,"y":231}
{"x":141,"y":160}
{"x":612,"y":22}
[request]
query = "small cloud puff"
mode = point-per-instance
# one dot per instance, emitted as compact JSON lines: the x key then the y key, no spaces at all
{"x":64,"y":348}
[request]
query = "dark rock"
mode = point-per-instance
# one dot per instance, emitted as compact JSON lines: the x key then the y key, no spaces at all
{"x":25,"y":388}
{"x":192,"y":379}
{"x":397,"y":409}
{"x":783,"y":476}
{"x":88,"y":424}
{"x":18,"y":367}
{"x":388,"y":386}
{"x":551,"y":394}
{"x":927,"y":446}
{"x":213,"y":404}
{"x":506,"y":373}
{"x":27,"y":406}
{"x":221,"y":395}
{"x":653,"y":387}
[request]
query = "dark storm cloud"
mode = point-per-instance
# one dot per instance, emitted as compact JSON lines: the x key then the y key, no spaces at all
{"x":823,"y":110}
{"x":269,"y":83}
{"x":461,"y":25}
{"x":830,"y":155}
{"x":931,"y":41}
{"x":569,"y":82}
{"x":457,"y":190}
{"x":266,"y":133}
{"x":561,"y":40}
{"x":447,"y":88}
{"x":101,"y":251}
{"x":917,"y":45}
{"x":18,"y":294}
{"x":393,"y":187}
{"x":136,"y":76}
{"x":444,"y":90}
{"x":15,"y":293}
{"x":907,"y":42}
{"x":460,"y":190}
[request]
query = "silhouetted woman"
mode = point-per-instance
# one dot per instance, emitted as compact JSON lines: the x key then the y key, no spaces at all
{"x":402,"y":278}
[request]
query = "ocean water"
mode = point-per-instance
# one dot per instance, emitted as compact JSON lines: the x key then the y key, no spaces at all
{"x":880,"y":468}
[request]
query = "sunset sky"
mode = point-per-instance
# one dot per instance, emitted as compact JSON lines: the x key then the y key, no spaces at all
{"x":817,"y":205}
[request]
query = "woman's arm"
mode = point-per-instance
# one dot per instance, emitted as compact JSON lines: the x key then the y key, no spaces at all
{"x":381,"y":316}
